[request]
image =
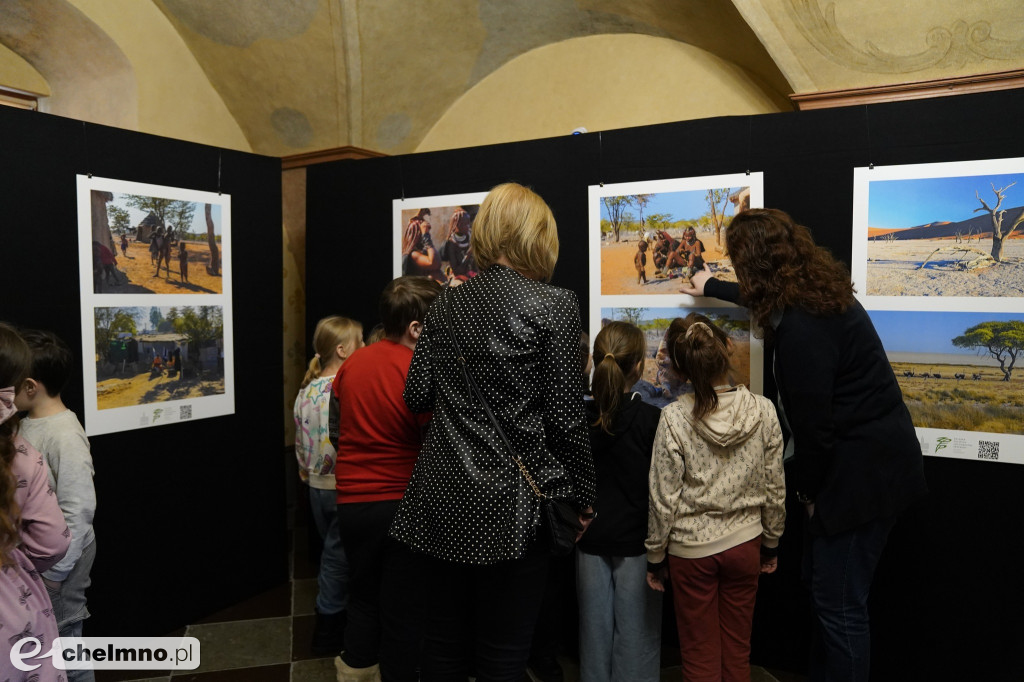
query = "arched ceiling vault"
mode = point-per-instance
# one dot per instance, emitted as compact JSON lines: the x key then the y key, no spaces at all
{"x":304,"y":75}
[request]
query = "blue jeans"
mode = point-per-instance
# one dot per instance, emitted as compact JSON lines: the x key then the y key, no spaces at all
{"x":838,"y":570}
{"x":332,"y":582}
{"x":620,"y":619}
{"x":68,"y":601}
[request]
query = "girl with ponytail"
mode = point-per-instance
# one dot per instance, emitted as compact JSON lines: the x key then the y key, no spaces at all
{"x":334,"y":339}
{"x":620,"y":616}
{"x":717,"y":503}
{"x":33,"y":534}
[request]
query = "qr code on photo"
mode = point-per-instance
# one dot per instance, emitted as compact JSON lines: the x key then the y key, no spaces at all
{"x":185,"y":412}
{"x":988,"y":449}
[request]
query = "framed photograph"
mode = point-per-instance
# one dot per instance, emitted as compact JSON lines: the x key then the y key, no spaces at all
{"x":959,"y":378}
{"x":432,"y":236}
{"x":646,"y":238}
{"x":155,"y":287}
{"x":950,"y":235}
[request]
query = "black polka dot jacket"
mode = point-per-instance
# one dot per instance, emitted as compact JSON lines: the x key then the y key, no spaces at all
{"x":467,"y":501}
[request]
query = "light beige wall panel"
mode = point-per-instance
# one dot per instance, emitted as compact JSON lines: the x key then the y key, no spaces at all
{"x":601,"y":83}
{"x":16,"y":73}
{"x":175,"y":98}
{"x":823,"y":45}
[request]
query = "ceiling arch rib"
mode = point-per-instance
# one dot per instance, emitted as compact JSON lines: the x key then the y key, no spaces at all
{"x":90,"y":78}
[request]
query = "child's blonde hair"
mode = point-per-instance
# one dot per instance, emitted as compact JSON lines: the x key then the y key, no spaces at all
{"x":331,"y":332}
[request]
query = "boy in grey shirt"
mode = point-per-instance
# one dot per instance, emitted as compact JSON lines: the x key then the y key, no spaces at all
{"x":54,"y":430}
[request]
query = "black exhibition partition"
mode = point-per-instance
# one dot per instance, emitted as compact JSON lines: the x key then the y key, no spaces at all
{"x":190,"y":517}
{"x":946,"y":599}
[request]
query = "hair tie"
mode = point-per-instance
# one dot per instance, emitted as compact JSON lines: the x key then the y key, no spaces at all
{"x":692,"y":327}
{"x":609,"y":355}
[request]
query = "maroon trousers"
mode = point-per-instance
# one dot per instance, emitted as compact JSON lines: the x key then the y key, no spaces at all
{"x":714,"y":600}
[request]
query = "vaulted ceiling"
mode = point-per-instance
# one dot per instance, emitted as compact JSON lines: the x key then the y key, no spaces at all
{"x":301,"y":75}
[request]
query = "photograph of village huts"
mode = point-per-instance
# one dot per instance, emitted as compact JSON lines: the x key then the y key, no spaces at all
{"x":432,"y":234}
{"x":143,"y":244}
{"x":652,"y":242}
{"x":659,"y":384}
{"x":957,"y":370}
{"x":959,"y":235}
{"x":153,"y":354}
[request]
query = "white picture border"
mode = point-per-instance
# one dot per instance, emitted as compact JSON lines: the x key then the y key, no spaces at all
{"x":440,"y":200}
{"x":684,"y":302}
{"x":166,"y":412}
{"x":935,"y":442}
{"x":862,"y":179}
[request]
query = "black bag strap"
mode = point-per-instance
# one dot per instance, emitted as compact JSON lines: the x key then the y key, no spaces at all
{"x":474,"y":390}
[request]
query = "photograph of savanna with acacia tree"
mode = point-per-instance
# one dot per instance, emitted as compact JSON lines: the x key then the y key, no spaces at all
{"x":957,"y":370}
{"x":651,"y":243}
{"x":144,"y":244}
{"x":659,"y":385}
{"x":153,"y":354}
{"x":945,"y":236}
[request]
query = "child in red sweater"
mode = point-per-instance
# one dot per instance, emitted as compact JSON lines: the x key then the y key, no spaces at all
{"x":379,"y":439}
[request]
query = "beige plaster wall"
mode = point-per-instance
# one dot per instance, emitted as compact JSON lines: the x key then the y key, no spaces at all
{"x":16,"y":73}
{"x":293,"y":236}
{"x":175,"y":98}
{"x":601,"y":83}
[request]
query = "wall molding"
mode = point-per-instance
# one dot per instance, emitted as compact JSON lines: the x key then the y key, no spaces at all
{"x":942,"y":87}
{"x":325,"y":155}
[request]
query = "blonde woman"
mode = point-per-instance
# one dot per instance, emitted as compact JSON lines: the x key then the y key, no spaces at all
{"x":466,"y":507}
{"x":334,"y":339}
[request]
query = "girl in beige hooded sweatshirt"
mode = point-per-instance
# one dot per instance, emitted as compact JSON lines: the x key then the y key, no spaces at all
{"x":717,"y":505}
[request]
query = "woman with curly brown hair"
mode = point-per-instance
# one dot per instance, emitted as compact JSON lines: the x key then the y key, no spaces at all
{"x":33,"y":534}
{"x":857,"y":459}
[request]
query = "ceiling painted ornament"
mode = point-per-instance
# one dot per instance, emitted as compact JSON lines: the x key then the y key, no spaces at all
{"x":952,"y":47}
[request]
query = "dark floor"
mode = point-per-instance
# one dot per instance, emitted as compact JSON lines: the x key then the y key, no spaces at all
{"x":266,"y":639}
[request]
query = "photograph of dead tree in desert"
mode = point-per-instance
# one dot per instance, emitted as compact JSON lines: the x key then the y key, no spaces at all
{"x":946,"y":236}
{"x":153,"y":245}
{"x":658,"y":383}
{"x":651,"y":243}
{"x":155,"y":354}
{"x":957,"y":370}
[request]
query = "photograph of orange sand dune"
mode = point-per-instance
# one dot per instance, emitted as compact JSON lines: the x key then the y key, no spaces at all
{"x":144,"y":244}
{"x":658,"y":384}
{"x":157,"y":354}
{"x":959,"y":235}
{"x":957,"y":371}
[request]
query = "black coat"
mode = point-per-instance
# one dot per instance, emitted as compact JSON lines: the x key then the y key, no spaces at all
{"x":622,"y":459}
{"x":521,"y":340}
{"x":856,"y":451}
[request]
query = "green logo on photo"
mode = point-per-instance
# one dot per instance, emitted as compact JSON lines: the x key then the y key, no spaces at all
{"x":940,"y":443}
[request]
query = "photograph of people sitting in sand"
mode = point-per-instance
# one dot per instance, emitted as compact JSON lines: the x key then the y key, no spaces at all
{"x":149,"y":243}
{"x":659,"y":385}
{"x":957,"y":370}
{"x":651,"y":237}
{"x":951,"y":230}
{"x":433,"y":235}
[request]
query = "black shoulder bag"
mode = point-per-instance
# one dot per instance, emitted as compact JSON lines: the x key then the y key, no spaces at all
{"x":559,"y":520}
